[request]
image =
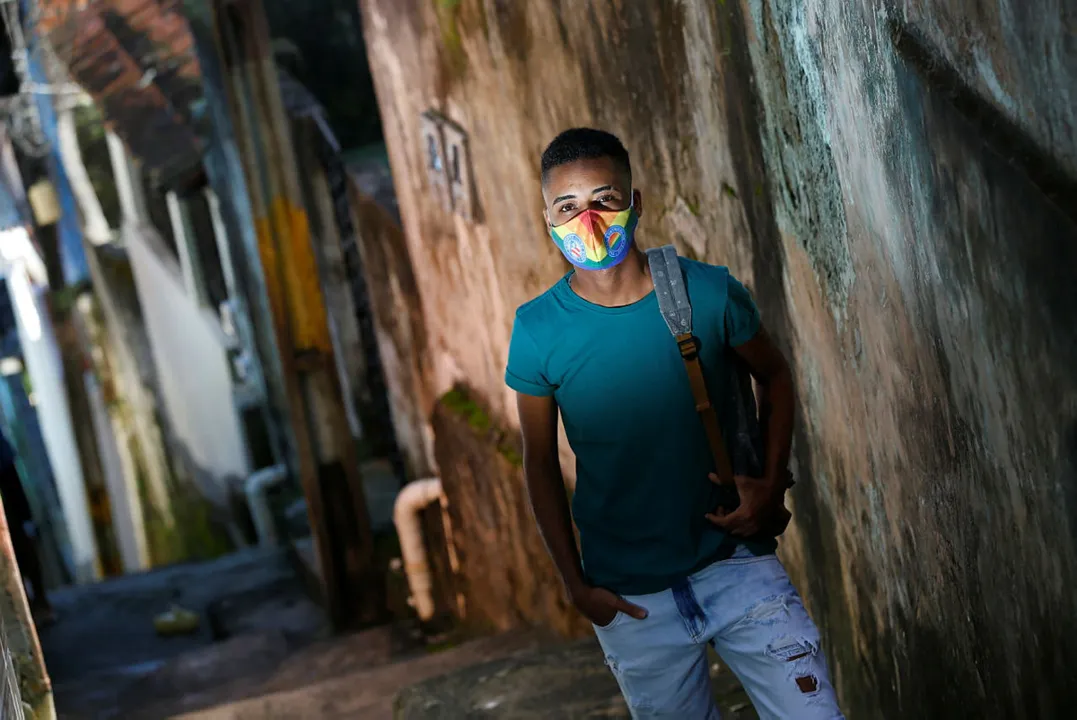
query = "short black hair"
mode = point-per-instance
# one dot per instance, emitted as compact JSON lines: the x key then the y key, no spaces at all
{"x":584,"y":144}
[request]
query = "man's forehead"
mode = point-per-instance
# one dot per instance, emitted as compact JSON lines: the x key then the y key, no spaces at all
{"x":585,"y":175}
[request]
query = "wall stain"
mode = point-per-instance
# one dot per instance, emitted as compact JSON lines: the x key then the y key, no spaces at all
{"x":805,"y":188}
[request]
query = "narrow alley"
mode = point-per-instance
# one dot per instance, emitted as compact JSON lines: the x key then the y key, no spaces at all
{"x":429,"y":359}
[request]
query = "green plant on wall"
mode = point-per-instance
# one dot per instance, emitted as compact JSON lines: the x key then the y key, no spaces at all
{"x":192,"y":534}
{"x":448,"y":13}
{"x":459,"y":402}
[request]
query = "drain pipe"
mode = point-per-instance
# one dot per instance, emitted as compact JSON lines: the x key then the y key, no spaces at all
{"x":257,"y":489}
{"x":412,"y":498}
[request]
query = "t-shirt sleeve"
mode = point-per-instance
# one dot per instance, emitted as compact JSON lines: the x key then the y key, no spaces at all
{"x":741,"y":314}
{"x":526,"y":368}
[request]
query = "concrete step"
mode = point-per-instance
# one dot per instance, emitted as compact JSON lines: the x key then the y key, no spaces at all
{"x":369,"y":692}
{"x":523,"y":675}
{"x":568,"y":682}
{"x":246,"y":666}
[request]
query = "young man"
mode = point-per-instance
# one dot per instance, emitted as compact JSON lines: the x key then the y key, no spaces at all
{"x":664,"y":571}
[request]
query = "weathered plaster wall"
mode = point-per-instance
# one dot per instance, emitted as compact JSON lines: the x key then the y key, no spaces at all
{"x":882,"y":175}
{"x":189,"y":350}
{"x":934,"y":340}
{"x":506,"y":578}
{"x":399,"y":327}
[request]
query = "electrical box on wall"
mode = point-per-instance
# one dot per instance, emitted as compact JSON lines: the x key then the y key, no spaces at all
{"x":448,"y":163}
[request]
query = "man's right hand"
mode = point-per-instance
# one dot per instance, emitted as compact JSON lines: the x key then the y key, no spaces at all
{"x":601,"y":606}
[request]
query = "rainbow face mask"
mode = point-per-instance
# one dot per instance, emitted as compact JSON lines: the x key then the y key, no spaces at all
{"x":597,"y":239}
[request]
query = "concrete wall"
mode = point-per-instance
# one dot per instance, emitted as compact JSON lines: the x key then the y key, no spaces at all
{"x":398,"y":325}
{"x":925,"y":295}
{"x":189,"y":350}
{"x":128,"y":378}
{"x":224,"y":169}
{"x":505,"y":578}
{"x":895,"y":183}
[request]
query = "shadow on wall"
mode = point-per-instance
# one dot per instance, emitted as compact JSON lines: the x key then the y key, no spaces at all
{"x":507,"y":579}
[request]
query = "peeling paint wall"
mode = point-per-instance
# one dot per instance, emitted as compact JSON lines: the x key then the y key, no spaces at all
{"x":894,"y":182}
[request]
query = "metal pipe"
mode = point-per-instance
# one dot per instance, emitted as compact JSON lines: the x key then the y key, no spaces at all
{"x":257,"y":489}
{"x":412,"y":498}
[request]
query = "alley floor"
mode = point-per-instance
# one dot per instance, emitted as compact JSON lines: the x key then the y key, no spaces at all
{"x":263,"y":650}
{"x":106,"y":659}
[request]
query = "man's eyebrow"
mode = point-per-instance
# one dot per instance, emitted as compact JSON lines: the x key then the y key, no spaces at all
{"x":573,"y":197}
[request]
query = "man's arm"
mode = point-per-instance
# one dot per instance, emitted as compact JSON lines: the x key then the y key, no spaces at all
{"x":770,"y":369}
{"x":761,"y":497}
{"x":546,"y":488}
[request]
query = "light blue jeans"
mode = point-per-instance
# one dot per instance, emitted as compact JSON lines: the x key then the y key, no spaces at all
{"x":749,"y":610}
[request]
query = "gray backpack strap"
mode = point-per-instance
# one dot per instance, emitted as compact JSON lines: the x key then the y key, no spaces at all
{"x":670,"y":289}
{"x":745,"y":457}
{"x":672,"y":293}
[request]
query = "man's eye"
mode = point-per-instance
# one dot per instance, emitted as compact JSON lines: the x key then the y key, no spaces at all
{"x":568,"y":208}
{"x":607,"y":199}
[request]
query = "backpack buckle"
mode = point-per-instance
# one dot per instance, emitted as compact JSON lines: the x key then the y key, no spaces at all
{"x":687,"y":345}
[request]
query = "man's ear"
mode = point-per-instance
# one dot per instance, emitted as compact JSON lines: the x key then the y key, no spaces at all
{"x":637,"y":201}
{"x":546,"y":217}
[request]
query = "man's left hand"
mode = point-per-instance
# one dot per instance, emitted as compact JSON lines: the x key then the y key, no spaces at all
{"x":759,"y":498}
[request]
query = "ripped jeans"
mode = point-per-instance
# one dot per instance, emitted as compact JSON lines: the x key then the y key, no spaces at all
{"x":749,"y":610}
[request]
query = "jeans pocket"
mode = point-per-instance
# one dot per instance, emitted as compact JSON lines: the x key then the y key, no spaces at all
{"x":612,"y":623}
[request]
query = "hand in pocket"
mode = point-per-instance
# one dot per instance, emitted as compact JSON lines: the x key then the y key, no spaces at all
{"x":601,"y":606}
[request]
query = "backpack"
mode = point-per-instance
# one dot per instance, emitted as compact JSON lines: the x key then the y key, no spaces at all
{"x":744,"y":453}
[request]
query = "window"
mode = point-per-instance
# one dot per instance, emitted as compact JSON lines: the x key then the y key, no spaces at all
{"x":434,"y":142}
{"x":460,"y":186}
{"x":205,"y":240}
{"x":433,"y":154}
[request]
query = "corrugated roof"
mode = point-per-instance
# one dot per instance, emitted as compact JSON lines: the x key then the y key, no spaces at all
{"x":136,"y":59}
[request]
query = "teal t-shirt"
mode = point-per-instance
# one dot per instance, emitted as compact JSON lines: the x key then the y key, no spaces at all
{"x":642,"y":459}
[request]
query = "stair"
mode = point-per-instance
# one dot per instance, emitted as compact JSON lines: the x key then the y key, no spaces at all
{"x":355,"y":690}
